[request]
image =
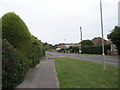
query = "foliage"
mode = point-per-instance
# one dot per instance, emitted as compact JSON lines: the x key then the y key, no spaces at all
{"x":48,"y":46}
{"x":73,"y":49}
{"x":14,"y":66}
{"x":74,"y":73}
{"x":16,"y":32}
{"x":95,"y":49}
{"x":37,"y":51}
{"x":86,"y":43}
{"x":21,"y":52}
{"x":115,"y":37}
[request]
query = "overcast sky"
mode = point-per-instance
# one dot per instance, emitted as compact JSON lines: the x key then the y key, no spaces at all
{"x":53,"y":21}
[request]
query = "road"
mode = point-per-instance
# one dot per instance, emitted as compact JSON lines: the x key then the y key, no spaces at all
{"x":112,"y":60}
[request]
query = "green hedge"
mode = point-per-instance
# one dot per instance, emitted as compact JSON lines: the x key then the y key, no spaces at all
{"x":21,"y":51}
{"x":14,"y":66}
{"x":95,"y":49}
{"x":37,"y":51}
{"x":16,"y":32}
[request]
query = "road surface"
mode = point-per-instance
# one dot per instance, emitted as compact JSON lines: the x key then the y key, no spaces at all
{"x":112,"y":60}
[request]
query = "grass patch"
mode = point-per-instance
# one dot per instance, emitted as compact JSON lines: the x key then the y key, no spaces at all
{"x":74,"y":73}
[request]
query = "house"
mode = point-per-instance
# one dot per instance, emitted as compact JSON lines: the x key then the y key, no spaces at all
{"x":113,"y":49}
{"x":98,"y":41}
{"x":65,"y":46}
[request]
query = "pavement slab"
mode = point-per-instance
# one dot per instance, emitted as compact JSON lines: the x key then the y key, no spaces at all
{"x":42,"y":76}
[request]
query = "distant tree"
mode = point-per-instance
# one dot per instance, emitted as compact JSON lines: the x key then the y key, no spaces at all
{"x":55,"y":46}
{"x":86,"y":43}
{"x":73,"y":49}
{"x":48,"y":46}
{"x":115,"y":37}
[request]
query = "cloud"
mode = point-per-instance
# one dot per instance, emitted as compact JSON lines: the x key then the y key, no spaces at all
{"x":55,"y":20}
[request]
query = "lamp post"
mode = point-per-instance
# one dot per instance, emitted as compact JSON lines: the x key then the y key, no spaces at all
{"x":64,"y":44}
{"x":80,"y":33}
{"x":103,"y":52}
{"x":80,"y":38}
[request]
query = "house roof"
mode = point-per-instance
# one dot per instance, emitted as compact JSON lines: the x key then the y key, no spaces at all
{"x":98,"y":41}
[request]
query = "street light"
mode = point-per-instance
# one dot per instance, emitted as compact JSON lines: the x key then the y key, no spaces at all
{"x":65,"y":47}
{"x":103,"y":52}
{"x":80,"y":37}
{"x":80,"y":33}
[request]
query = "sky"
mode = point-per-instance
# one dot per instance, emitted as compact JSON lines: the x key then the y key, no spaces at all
{"x":59,"y":21}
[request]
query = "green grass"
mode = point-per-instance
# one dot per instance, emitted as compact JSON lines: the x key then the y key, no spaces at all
{"x":74,"y":73}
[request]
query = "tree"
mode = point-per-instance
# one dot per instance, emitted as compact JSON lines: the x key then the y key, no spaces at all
{"x":73,"y":49}
{"x":115,"y":37}
{"x":48,"y":46}
{"x":86,"y":43}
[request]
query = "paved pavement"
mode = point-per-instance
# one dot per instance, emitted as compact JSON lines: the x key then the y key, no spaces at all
{"x":112,"y":60}
{"x":42,"y":76}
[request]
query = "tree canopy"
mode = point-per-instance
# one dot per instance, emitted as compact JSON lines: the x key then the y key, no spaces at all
{"x":115,"y":37}
{"x":86,"y":43}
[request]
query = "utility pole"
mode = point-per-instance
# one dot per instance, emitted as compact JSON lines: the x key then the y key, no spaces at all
{"x":65,"y":46}
{"x":119,"y":13}
{"x":80,"y":33}
{"x":80,"y":38}
{"x":103,"y":52}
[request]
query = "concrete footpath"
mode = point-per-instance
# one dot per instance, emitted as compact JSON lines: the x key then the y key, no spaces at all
{"x":42,"y":76}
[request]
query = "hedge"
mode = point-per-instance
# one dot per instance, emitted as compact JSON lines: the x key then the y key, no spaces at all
{"x":21,"y":50}
{"x":95,"y":49}
{"x":15,"y":31}
{"x":37,"y":51}
{"x":14,"y":66}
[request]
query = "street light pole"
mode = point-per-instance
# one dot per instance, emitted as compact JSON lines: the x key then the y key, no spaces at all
{"x":80,"y":33}
{"x":103,"y":52}
{"x":65,"y":47}
{"x":80,"y":36}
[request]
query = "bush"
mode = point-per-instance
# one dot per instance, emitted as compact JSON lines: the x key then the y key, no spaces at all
{"x":14,"y":66}
{"x":37,"y":51}
{"x":20,"y":52}
{"x":16,"y":32}
{"x":115,"y":38}
{"x":73,"y":49}
{"x":95,"y":49}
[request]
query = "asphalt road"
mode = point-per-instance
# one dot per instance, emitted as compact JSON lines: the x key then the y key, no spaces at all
{"x":112,"y":60}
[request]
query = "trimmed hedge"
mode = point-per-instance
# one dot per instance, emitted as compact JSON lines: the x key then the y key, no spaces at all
{"x":95,"y":49}
{"x":21,"y":51}
{"x":37,"y":51}
{"x":16,"y":32}
{"x":14,"y":66}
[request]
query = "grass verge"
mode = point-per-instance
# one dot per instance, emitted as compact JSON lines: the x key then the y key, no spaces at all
{"x":74,"y":73}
